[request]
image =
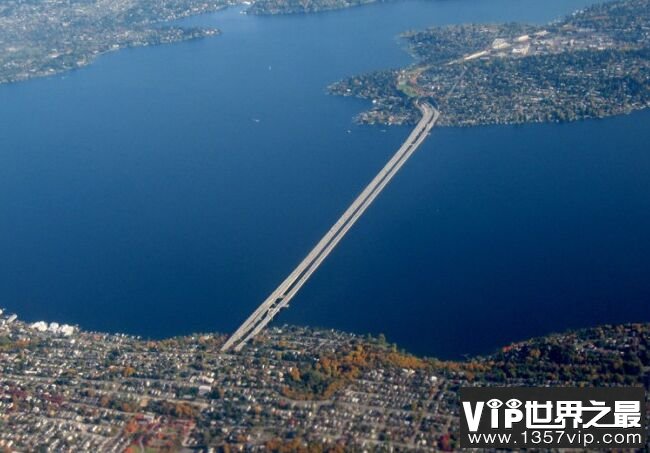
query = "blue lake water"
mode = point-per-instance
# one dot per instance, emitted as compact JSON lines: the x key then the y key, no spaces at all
{"x":168,"y":190}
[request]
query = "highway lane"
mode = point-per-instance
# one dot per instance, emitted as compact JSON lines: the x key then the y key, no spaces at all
{"x":280,"y":298}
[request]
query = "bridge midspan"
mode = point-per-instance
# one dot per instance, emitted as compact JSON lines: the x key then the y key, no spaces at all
{"x":290,"y":286}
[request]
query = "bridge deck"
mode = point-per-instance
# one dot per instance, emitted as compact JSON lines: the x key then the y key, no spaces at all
{"x":280,"y":298}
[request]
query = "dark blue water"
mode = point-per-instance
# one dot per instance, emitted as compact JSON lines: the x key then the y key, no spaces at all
{"x":168,"y":190}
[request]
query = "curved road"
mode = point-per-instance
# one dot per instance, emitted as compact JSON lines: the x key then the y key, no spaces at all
{"x":289,"y":287}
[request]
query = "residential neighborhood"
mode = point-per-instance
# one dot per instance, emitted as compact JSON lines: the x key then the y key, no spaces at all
{"x":64,"y":389}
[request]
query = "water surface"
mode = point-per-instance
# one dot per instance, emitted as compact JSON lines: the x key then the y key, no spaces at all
{"x":168,"y":190}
